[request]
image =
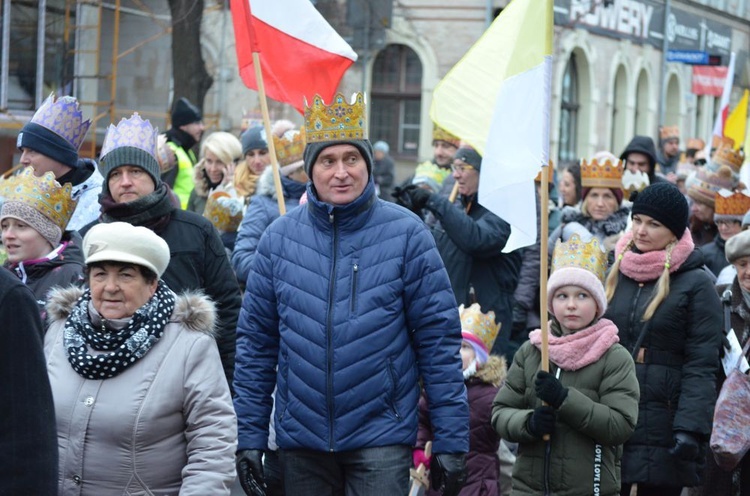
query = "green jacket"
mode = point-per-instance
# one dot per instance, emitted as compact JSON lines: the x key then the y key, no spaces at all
{"x":183,"y":184}
{"x":597,"y":417}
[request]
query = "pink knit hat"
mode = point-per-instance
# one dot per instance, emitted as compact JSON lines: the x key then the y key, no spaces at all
{"x":575,"y":276}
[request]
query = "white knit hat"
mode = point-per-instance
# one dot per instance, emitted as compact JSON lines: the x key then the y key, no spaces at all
{"x":123,"y":242}
{"x":574,"y":276}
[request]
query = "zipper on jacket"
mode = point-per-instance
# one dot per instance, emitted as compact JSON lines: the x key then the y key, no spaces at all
{"x":392,"y":373}
{"x":329,"y":332}
{"x":355,"y":274}
{"x":633,"y":307}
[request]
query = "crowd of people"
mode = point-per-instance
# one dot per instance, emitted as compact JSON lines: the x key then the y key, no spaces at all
{"x":175,"y":326}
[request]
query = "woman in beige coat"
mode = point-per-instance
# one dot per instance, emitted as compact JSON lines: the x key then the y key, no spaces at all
{"x":141,"y":401}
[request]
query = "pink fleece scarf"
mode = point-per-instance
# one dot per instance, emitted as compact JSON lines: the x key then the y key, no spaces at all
{"x":582,"y":348}
{"x":642,"y":267}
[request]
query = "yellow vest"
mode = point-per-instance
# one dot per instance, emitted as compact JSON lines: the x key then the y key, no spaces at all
{"x":183,"y":183}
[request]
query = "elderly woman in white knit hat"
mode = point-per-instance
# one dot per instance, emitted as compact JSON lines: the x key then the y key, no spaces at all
{"x":141,"y":401}
{"x":34,"y":217}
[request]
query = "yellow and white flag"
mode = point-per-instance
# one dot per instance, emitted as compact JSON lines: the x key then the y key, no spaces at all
{"x":497,"y":99}
{"x":735,"y":126}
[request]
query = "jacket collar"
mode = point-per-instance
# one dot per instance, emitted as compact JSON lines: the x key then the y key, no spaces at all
{"x":349,"y":217}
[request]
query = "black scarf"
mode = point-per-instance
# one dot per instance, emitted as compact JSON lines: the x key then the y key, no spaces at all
{"x":152,"y":211}
{"x":614,"y":224}
{"x":181,"y":138}
{"x":125,"y":346}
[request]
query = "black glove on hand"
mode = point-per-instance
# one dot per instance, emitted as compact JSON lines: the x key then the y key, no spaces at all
{"x":401,"y":195}
{"x":448,"y":473}
{"x":686,"y":446}
{"x":541,"y":422}
{"x":250,"y":471}
{"x":549,"y":389}
{"x":419,"y":198}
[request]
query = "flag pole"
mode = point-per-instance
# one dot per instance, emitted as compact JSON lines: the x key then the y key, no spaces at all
{"x":543,"y":242}
{"x":454,"y":193}
{"x":269,"y":136}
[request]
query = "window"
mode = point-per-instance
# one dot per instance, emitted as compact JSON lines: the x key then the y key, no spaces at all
{"x":397,"y":99}
{"x":569,"y":107}
{"x":619,"y":134}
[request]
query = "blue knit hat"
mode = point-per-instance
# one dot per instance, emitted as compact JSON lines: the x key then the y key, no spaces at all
{"x":253,"y":139}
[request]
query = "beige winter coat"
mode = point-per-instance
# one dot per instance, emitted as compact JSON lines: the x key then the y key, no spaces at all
{"x":165,"y":426}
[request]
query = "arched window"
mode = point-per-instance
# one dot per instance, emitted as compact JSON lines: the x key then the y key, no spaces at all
{"x":642,"y":95}
{"x":569,"y":107}
{"x":397,"y":99}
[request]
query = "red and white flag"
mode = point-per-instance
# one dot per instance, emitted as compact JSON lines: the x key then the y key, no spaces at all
{"x":301,"y":55}
{"x":721,"y":116}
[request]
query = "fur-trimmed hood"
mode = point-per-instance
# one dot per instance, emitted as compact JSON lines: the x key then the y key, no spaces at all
{"x":494,"y":371}
{"x":192,"y":310}
{"x":266,"y":187}
{"x":201,"y":184}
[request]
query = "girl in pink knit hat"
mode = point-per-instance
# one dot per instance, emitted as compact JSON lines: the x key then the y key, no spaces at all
{"x":570,"y":423}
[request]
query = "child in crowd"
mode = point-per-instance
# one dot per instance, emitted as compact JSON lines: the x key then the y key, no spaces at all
{"x":591,"y":393}
{"x":483,"y":375}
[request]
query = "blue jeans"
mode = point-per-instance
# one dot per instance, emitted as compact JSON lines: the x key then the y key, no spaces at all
{"x":364,"y":472}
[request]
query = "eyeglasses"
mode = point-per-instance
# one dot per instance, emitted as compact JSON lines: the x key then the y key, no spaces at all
{"x":461,"y":167}
{"x":699,"y":162}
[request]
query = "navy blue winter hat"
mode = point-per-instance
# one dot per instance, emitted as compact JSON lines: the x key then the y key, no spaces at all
{"x":185,"y":113}
{"x":253,"y":139}
{"x":312,"y":150}
{"x":42,"y":140}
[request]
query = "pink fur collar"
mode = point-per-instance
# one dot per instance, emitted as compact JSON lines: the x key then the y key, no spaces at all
{"x":643,"y":267}
{"x":577,"y":350}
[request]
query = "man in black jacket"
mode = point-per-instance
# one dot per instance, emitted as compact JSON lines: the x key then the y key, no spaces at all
{"x":470,"y":240}
{"x":133,"y":192}
{"x":28,"y":437}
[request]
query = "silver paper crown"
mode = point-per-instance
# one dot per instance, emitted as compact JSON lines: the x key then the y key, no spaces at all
{"x":133,"y":132}
{"x":63,"y":117}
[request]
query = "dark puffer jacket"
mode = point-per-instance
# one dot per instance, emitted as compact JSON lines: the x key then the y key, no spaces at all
{"x":482,"y":463}
{"x":471,"y":247}
{"x":353,"y":304}
{"x":62,"y":270}
{"x":678,"y":373}
{"x":714,"y":256}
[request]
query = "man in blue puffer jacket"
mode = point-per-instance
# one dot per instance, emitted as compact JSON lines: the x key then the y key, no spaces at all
{"x":347,"y":305}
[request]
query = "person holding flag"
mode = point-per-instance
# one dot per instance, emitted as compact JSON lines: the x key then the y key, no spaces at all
{"x":471,"y":239}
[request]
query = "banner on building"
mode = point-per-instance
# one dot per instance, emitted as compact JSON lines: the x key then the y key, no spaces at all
{"x":709,"y":80}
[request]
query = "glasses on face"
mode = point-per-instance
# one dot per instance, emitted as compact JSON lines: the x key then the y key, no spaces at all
{"x":699,"y":162}
{"x":461,"y":167}
{"x":726,"y":222}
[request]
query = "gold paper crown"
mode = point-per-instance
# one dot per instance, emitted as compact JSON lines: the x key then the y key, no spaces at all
{"x":604,"y":175}
{"x":482,"y":325}
{"x":440,"y":134}
{"x":731,"y":204}
{"x":669,"y":132}
{"x":338,"y":121}
{"x":576,"y":253}
{"x":43,"y":194}
{"x":224,"y":211}
{"x":290,"y":147}
{"x":727,"y":155}
{"x":717,"y":141}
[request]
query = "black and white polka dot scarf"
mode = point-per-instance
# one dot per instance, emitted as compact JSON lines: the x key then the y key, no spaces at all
{"x":124,"y":346}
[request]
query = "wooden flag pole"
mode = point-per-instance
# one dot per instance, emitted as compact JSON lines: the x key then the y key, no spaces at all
{"x":454,"y":193}
{"x":544,"y":240}
{"x":269,"y":136}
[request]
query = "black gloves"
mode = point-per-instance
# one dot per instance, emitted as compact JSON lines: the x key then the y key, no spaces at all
{"x":250,"y":472}
{"x":686,"y":446}
{"x":412,"y":197}
{"x":448,"y":472}
{"x":541,"y":422}
{"x":549,"y":389}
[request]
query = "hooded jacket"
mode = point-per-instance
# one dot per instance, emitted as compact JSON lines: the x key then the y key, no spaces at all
{"x":714,"y":256}
{"x":262,"y":210}
{"x":164,"y":426}
{"x":644,"y":145}
{"x":482,"y":463}
{"x":201,"y":189}
{"x":345,"y":308}
{"x":61,"y":268}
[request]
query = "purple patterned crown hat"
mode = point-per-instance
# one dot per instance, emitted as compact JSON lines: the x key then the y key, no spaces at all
{"x":133,"y":132}
{"x":63,"y":117}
